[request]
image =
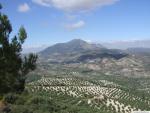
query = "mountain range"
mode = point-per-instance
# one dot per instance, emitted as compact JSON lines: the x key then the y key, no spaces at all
{"x":123,"y":45}
{"x":76,"y":45}
{"x":127,"y":44}
{"x":81,"y":54}
{"x":78,"y":50}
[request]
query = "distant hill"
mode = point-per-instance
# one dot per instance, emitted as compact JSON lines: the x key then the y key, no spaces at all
{"x":110,"y":45}
{"x":128,"y":44}
{"x":77,"y":50}
{"x":76,"y":45}
{"x":81,"y":54}
{"x":31,"y":49}
{"x":139,"y":51}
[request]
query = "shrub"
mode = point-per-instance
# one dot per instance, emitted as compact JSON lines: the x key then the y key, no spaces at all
{"x":10,"y":98}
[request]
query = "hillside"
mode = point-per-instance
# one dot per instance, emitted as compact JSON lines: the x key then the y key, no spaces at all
{"x":128,"y":44}
{"x":87,"y":90}
{"x":76,"y":45}
{"x":76,"y":51}
{"x":85,"y":78}
{"x":139,"y":51}
{"x":79,"y":53}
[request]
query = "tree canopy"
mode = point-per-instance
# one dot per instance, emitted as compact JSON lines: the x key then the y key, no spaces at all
{"x":13,"y":65}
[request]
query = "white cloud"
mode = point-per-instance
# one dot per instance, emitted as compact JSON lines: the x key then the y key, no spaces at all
{"x":23,"y":7}
{"x":75,"y":5}
{"x":75,"y":25}
{"x":46,"y":3}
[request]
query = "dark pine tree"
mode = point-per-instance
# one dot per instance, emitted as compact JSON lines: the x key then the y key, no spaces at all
{"x":13,"y":67}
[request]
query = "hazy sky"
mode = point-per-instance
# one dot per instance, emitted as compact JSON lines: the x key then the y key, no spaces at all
{"x":51,"y":21}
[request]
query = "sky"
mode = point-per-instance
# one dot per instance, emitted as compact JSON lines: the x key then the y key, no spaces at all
{"x":51,"y":21}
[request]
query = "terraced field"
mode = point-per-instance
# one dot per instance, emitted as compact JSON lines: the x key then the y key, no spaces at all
{"x":99,"y":94}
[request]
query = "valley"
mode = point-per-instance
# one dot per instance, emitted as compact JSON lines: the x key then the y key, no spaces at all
{"x":100,"y":82}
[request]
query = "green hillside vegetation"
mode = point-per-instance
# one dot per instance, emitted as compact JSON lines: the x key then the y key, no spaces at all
{"x":105,"y":93}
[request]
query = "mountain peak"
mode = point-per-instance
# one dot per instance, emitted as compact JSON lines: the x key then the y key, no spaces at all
{"x":77,"y":41}
{"x":75,"y":45}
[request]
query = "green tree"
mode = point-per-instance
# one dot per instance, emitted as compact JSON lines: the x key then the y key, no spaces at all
{"x":13,"y":66}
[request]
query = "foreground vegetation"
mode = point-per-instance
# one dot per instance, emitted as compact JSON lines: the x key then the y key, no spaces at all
{"x":42,"y":102}
{"x":105,"y":93}
{"x":75,"y":94}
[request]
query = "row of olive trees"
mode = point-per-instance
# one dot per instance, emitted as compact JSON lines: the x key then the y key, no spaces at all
{"x":13,"y":67}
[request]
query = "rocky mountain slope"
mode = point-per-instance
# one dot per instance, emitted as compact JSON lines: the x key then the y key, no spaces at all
{"x":78,"y":53}
{"x":76,"y":45}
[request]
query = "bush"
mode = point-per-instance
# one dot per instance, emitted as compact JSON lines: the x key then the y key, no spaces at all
{"x":10,"y":98}
{"x":38,"y":100}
